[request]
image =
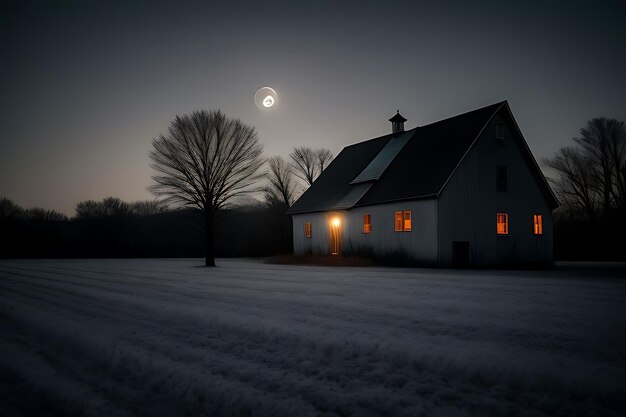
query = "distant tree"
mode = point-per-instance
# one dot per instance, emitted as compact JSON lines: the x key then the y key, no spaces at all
{"x":205,"y":161}
{"x":592,"y":174}
{"x":8,"y":209}
{"x":43,"y":215}
{"x":308,"y":164}
{"x":147,"y":208}
{"x":574,"y":185}
{"x":108,"y":207}
{"x":282,"y":187}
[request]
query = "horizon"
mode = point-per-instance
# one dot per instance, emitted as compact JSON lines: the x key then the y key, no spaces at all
{"x":90,"y":85}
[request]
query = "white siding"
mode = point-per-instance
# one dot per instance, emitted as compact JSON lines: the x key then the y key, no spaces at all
{"x":469,"y":203}
{"x":420,"y":244}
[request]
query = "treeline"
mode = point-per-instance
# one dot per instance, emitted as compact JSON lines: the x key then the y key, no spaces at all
{"x":114,"y":228}
{"x":590,"y":183}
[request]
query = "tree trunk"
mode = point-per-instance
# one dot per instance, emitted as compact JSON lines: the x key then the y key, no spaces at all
{"x":209,"y":253}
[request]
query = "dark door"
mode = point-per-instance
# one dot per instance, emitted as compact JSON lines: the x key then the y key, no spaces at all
{"x":460,"y":254}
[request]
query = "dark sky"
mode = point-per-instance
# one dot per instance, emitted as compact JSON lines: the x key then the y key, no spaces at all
{"x":86,"y":85}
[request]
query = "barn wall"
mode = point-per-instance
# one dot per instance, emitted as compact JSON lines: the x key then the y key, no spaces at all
{"x":319,"y":242}
{"x":419,"y":244}
{"x":469,"y":203}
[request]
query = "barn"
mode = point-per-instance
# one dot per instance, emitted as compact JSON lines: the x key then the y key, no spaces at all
{"x":461,"y":191}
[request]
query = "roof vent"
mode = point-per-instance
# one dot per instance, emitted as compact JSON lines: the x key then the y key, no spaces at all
{"x":397,"y":123}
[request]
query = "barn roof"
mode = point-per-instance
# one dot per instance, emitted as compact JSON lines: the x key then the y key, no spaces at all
{"x":403,"y":166}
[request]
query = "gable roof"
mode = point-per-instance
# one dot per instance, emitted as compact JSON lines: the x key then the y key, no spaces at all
{"x":430,"y":155}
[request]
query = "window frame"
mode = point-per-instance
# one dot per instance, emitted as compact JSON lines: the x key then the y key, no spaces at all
{"x":500,"y":131}
{"x":538,"y":224}
{"x":398,"y":221}
{"x":505,"y":230}
{"x":367,"y":224}
{"x":406,"y":219}
{"x":308,"y":230}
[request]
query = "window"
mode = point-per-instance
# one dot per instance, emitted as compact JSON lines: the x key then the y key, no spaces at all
{"x":367,"y":223}
{"x":398,"y":221}
{"x":502,"y":223}
{"x":407,"y":220}
{"x":499,"y":130}
{"x":403,"y":221}
{"x":538,"y":224}
{"x":501,"y":182}
{"x":307,"y":230}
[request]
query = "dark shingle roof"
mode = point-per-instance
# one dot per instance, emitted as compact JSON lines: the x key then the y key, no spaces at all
{"x":333,"y":185}
{"x":421,"y":170}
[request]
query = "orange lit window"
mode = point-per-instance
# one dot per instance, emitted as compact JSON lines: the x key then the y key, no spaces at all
{"x":403,"y":221}
{"x":307,"y":230}
{"x":367,"y":223}
{"x":538,"y":224}
{"x":398,"y":221}
{"x":407,"y":220}
{"x":502,"y":221}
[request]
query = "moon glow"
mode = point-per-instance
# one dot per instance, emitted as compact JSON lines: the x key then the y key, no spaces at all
{"x":265,"y":98}
{"x":268,"y":101}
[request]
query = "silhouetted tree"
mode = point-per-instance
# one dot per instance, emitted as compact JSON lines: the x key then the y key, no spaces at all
{"x":308,"y":164}
{"x":8,"y":209}
{"x":205,"y":161}
{"x":282,"y":187}
{"x":592,"y":174}
{"x":574,"y":185}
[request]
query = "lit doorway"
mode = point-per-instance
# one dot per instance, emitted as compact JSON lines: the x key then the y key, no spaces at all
{"x":335,"y":236}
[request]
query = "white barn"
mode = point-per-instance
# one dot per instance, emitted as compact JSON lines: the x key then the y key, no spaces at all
{"x":462,"y":191}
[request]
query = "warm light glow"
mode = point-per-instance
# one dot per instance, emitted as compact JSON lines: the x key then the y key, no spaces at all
{"x":403,"y":221}
{"x":307,"y":230}
{"x":502,"y":223}
{"x":335,"y":222}
{"x":538,"y":224}
{"x":367,"y":223}
{"x":407,"y":220}
{"x":268,"y":101}
{"x":398,"y":222}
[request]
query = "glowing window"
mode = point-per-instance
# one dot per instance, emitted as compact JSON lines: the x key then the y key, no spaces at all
{"x":499,"y":130}
{"x":307,"y":230}
{"x":538,"y":224}
{"x":398,"y":221}
{"x":403,"y":221}
{"x":407,"y":220}
{"x":502,"y":223}
{"x":367,"y":223}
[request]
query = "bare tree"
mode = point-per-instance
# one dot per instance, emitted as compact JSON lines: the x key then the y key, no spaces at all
{"x":574,"y":184}
{"x":282,"y":187}
{"x":205,"y":161}
{"x":308,"y":164}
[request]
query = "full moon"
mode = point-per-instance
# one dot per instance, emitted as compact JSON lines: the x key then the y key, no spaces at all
{"x":265,"y":98}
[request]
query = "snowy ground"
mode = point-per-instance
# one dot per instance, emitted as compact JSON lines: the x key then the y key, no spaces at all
{"x":163,"y":337}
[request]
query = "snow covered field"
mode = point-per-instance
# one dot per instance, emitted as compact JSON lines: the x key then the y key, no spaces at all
{"x":163,"y":337}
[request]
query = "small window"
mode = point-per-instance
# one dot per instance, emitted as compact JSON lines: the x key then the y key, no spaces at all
{"x":538,"y":224}
{"x":499,"y":130}
{"x":403,"y":221}
{"x":398,"y":221}
{"x":307,"y":230}
{"x":407,"y":220}
{"x":367,"y":223}
{"x":502,"y":223}
{"x":501,"y":180}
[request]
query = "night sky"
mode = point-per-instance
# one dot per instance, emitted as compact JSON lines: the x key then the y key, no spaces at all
{"x":86,"y":85}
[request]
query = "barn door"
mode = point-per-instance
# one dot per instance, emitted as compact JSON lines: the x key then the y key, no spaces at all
{"x":335,"y":237}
